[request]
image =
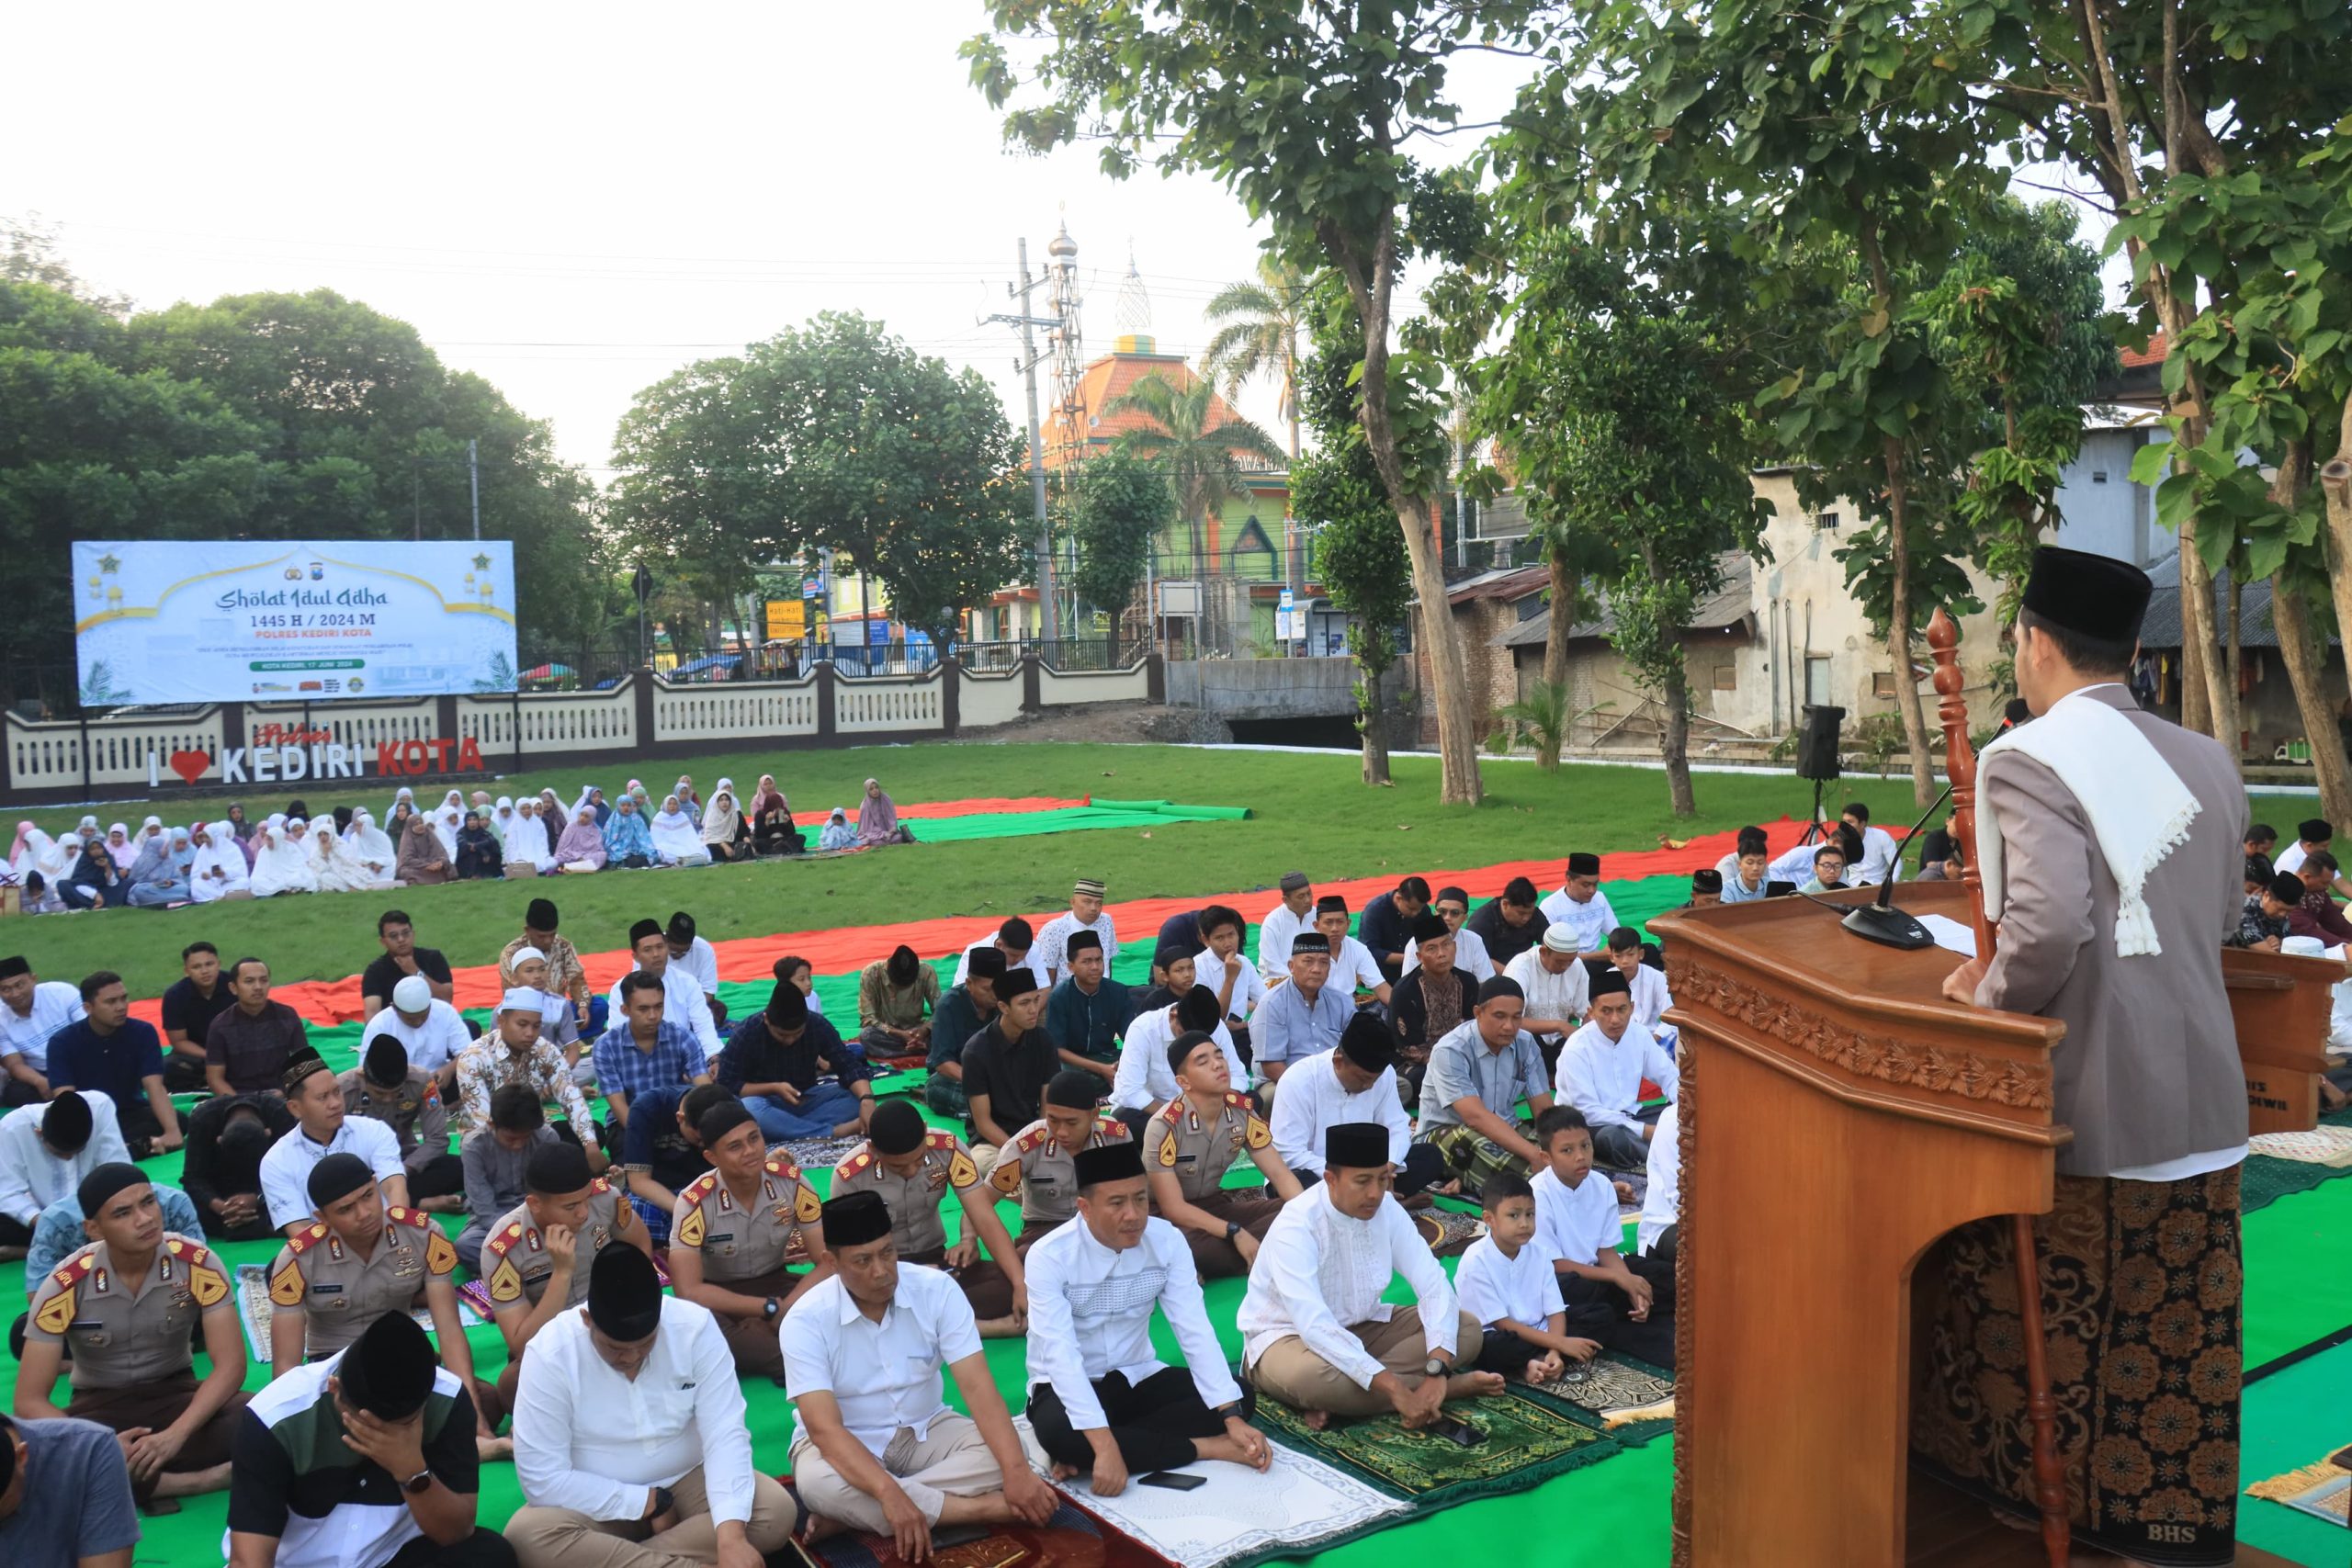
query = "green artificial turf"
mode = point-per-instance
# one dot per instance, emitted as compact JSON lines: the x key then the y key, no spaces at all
{"x":2293,"y":1419}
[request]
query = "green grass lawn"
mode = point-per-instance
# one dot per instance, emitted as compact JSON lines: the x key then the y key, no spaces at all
{"x":1311,"y":812}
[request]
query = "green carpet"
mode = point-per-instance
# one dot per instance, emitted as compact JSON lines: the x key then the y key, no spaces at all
{"x":1526,"y":1442}
{"x":2293,"y":1419}
{"x":2298,"y":1272}
{"x":2265,"y":1180}
{"x":1065,"y":819}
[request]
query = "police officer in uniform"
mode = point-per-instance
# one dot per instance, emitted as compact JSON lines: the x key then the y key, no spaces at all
{"x":912,"y":1166}
{"x":1040,"y":1165}
{"x":1189,"y":1144}
{"x":385,"y":1088}
{"x":124,"y":1306}
{"x":735,"y":1230}
{"x":539,"y":1252}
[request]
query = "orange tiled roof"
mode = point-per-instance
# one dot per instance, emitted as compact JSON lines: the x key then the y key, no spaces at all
{"x":2134,"y":358}
{"x":1110,"y":378}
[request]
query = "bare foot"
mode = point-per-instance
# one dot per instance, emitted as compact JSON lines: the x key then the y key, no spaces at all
{"x":1220,"y":1448}
{"x":1069,"y":1471}
{"x":489,"y":1449}
{"x":817,"y":1527}
{"x":10,"y":1254}
{"x":160,"y":1506}
{"x":190,"y":1483}
{"x":1003,"y":1328}
{"x":1417,"y":1201}
{"x":1471,"y":1385}
{"x":1315,"y":1419}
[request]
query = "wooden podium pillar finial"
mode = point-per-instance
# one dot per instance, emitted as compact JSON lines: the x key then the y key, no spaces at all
{"x":1960,"y":764}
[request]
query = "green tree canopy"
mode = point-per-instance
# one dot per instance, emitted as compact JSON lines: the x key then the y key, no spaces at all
{"x":1119,"y":504}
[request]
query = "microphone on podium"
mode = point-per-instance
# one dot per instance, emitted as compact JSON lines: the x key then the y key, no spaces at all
{"x":1881,"y":921}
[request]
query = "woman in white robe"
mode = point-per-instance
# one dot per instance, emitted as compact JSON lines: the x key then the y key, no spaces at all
{"x":527,"y":841}
{"x":501,"y":822}
{"x":37,"y":852}
{"x":279,"y":865}
{"x":401,"y":796}
{"x":447,"y":818}
{"x":677,"y":837}
{"x":219,"y":866}
{"x":373,"y":849}
{"x":338,"y":863}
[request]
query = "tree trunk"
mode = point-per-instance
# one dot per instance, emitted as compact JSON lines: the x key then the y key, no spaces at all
{"x":1674,"y":739}
{"x":1898,"y":624}
{"x":1369,"y":724}
{"x":2196,"y":700}
{"x":2234,"y":650}
{"x":2196,"y":624}
{"x":1566,"y":587}
{"x":2306,"y":661}
{"x":2336,"y":490}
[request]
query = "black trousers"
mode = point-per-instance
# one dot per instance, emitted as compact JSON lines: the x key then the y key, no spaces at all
{"x":1505,"y":1352}
{"x":184,"y":1075}
{"x":1154,"y":1422}
{"x":483,"y":1548}
{"x":441,"y":1176}
{"x":1596,"y":1311}
{"x":14,"y":1232}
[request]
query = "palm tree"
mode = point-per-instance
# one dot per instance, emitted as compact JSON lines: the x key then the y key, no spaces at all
{"x":1258,"y":326}
{"x":1203,"y":458}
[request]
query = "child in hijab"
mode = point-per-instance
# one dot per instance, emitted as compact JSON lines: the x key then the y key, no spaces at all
{"x":837,"y":834}
{"x":628,"y":840}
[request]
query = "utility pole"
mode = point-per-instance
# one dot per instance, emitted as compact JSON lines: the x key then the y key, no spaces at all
{"x":1027,"y":365}
{"x":473,"y":481}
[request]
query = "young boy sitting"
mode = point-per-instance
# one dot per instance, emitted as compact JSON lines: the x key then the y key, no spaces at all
{"x":1627,"y":1303}
{"x":1509,"y":1285}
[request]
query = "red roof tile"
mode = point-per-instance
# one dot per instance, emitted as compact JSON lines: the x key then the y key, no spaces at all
{"x":2135,"y":359}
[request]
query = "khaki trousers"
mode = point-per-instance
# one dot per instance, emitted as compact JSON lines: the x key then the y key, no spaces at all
{"x":564,"y":1537}
{"x":1299,"y":1378}
{"x":950,"y":1459}
{"x":758,"y":1351}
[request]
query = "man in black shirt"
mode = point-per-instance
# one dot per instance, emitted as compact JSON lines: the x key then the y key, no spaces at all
{"x":962,"y":1012}
{"x":774,"y":1060}
{"x":1006,"y":1066}
{"x":190,"y":1004}
{"x":662,"y":1151}
{"x":1509,"y":925}
{"x":246,"y":1047}
{"x":1387,"y":925}
{"x":222,"y":1170}
{"x":402,"y":958}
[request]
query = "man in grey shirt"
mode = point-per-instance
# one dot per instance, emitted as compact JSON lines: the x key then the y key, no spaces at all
{"x":494,"y":1157}
{"x":65,"y":1496}
{"x":1478,"y":1073}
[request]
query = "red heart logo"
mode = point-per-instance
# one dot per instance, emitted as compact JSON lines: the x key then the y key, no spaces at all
{"x":191,"y":765}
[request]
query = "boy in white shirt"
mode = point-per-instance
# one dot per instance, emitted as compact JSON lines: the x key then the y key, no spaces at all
{"x":1647,"y":985}
{"x":1509,"y":1285}
{"x":1626,"y":1303}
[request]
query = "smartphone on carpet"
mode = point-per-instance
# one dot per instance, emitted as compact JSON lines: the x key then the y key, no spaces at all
{"x":1173,"y":1480}
{"x":1456,"y":1431}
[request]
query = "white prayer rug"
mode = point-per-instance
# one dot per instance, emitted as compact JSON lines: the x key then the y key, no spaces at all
{"x":2324,"y":1146}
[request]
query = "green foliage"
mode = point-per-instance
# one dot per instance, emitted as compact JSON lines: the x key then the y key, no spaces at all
{"x":1119,"y":504}
{"x":833,"y":436}
{"x":1258,"y":326}
{"x":1198,"y":452}
{"x":1539,"y":720}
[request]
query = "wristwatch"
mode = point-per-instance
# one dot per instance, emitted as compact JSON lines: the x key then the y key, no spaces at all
{"x":663,"y":1501}
{"x":1231,"y":1230}
{"x":418,"y":1485}
{"x":1436,"y":1367}
{"x":768,"y":1311}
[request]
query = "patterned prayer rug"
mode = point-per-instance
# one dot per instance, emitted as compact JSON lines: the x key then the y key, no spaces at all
{"x":254,"y":1311}
{"x":1525,"y":1441}
{"x":820,"y":1153}
{"x":1448,"y":1231}
{"x":1633,"y":1401}
{"x":1240,"y":1517}
{"x":2324,"y":1490}
{"x":2327,"y":1145}
{"x":1072,"y":1538}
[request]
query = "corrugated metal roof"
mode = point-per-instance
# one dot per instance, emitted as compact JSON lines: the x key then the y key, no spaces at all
{"x":2161,"y":626}
{"x":1726,"y":609}
{"x":1503,"y":583}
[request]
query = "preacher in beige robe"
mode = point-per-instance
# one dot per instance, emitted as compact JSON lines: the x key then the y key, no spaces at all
{"x":2111,"y":843}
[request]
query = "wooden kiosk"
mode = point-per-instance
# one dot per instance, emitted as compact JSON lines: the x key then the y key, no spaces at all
{"x":1836,"y":1119}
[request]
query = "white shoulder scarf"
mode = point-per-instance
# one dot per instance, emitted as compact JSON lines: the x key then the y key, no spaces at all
{"x":2139,"y":809}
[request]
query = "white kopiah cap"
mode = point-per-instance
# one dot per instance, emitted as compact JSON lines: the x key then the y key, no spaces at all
{"x":413,"y":994}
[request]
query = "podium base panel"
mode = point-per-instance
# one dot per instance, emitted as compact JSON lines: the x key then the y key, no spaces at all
{"x":1945,"y":1528}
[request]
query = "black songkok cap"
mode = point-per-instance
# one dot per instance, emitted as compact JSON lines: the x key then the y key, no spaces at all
{"x":1174,"y":953}
{"x":103,"y":1183}
{"x":556,"y":1167}
{"x":12,"y":966}
{"x":1181,"y":1049}
{"x":903,"y":964}
{"x":387,"y":1061}
{"x":1707,"y":881}
{"x":1330,"y":904}
{"x":721,"y":1118}
{"x":1368,"y":1042}
{"x":1355,"y":1146}
{"x":1079,"y":941}
{"x":1309,"y":943}
{"x":67,"y":1124}
{"x":988,"y":962}
{"x":540,"y":916}
{"x":2288,"y":888}
{"x":2098,"y":597}
{"x":1583,"y":864}
{"x":389,"y":1371}
{"x":2318,"y":830}
{"x":1430,"y":926}
{"x":1108,"y":1162}
{"x":1611,"y":982}
{"x":682,"y":929}
{"x":1074,"y":1090}
{"x":623,"y":1294}
{"x":642,"y":930}
{"x":788,"y":1006}
{"x":896,"y":1129}
{"x":298,"y":1068}
{"x":1500,"y":985}
{"x":854,"y":1219}
{"x":1017,"y":983}
{"x":337,"y":1176}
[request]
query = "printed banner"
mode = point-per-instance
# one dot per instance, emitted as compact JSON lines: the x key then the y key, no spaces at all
{"x":180,"y":621}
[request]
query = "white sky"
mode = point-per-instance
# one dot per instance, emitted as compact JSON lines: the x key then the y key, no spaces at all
{"x":574,"y":201}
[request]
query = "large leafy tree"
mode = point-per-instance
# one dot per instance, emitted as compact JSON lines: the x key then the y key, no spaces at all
{"x":1197,"y":443}
{"x":1257,"y":322}
{"x":839,"y":437}
{"x":1117,"y":505}
{"x":1310,"y":114}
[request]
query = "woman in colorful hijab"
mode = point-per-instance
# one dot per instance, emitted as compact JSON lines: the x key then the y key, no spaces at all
{"x":676,"y":840}
{"x":877,"y":819}
{"x":160,"y":879}
{"x":724,"y":831}
{"x":629,"y":838}
{"x":479,"y":859}
{"x":581,"y":848}
{"x":593,"y":798}
{"x":423,"y":862}
{"x":689,"y":801}
{"x":218,"y":868}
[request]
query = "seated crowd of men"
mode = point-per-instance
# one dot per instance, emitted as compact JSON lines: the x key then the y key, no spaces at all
{"x":1354,"y":1072}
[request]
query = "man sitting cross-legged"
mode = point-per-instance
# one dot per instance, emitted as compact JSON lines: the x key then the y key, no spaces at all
{"x":629,"y":1438}
{"x":1099,"y":1398}
{"x":1353,"y":1081}
{"x":911,"y":1166}
{"x":735,"y":1230}
{"x":539,"y":1255}
{"x":1478,"y":1074}
{"x":1600,"y":1073}
{"x":1316,"y":1334}
{"x":359,"y":1261}
{"x":874,"y":1447}
{"x":1036,"y":1167}
{"x":1192,"y":1143}
{"x":1627,"y":1303}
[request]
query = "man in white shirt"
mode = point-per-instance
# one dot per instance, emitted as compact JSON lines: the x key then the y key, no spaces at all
{"x":1221,"y":966}
{"x":1352,"y":967}
{"x":684,"y":1001}
{"x":1143,"y":1083}
{"x":45,"y":1151}
{"x":2312,"y":833}
{"x":1645,"y":984}
{"x":1881,"y":860}
{"x":1557,"y":987}
{"x":1470,"y":955}
{"x":1315,"y":1333}
{"x":1798,"y":864}
{"x":315,"y":1097}
{"x":1282,"y":922}
{"x":1100,"y":1398}
{"x":874,"y":1445}
{"x":691,"y":952}
{"x":1662,"y":1203}
{"x":1353,"y":1081}
{"x":1085,"y":913}
{"x":1600,"y":1074}
{"x":1581,"y":906}
{"x":629,"y":1436}
{"x":1014,"y":939}
{"x":31,"y":1010}
{"x":428,"y":1029}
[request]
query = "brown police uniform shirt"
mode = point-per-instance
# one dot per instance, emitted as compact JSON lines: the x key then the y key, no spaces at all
{"x":121,"y":1333}
{"x":317,"y":1275}
{"x":741,"y":1241}
{"x":1038,"y":1169}
{"x":515,"y":1259}
{"x":414,"y":1111}
{"x":1198,"y":1151}
{"x":913,"y":1200}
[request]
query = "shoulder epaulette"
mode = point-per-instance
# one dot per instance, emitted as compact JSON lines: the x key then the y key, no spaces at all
{"x":939,"y":1138}
{"x":781,"y":1164}
{"x":1239,"y":1100}
{"x":503,"y":1238}
{"x":1111,"y":1127}
{"x":1172,"y":1112}
{"x":1031,"y":1139}
{"x":207,"y":1281}
{"x":598,"y":1187}
{"x":193,"y":1253}
{"x":700,"y":1187}
{"x":76,"y":1268}
{"x":855,"y":1163}
{"x":309,"y":1236}
{"x":413,"y":1219}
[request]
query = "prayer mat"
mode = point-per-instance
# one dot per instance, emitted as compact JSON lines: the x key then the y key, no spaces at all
{"x":1448,"y":1231}
{"x":475,"y":1294}
{"x":1526,"y":1442}
{"x":254,"y":1311}
{"x":2327,"y":1145}
{"x":1238,"y":1517}
{"x":1072,"y":1538}
{"x":1633,"y":1401}
{"x":820,"y":1153}
{"x":2323,"y":1490}
{"x":1629,"y":1207}
{"x":2142,"y":1290}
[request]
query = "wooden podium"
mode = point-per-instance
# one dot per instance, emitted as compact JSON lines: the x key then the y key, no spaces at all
{"x":1836,"y":1119}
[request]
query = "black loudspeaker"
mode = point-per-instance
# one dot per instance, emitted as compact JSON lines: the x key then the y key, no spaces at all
{"x":1817,"y":746}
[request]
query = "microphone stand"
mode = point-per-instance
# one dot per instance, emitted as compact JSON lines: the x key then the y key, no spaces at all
{"x":1881,"y":921}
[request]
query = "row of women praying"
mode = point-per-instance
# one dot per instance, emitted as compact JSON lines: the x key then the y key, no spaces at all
{"x":415,"y":844}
